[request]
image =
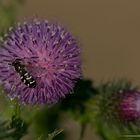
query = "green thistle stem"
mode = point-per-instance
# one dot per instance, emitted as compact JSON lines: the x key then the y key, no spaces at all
{"x":17,"y":110}
{"x":82,"y":131}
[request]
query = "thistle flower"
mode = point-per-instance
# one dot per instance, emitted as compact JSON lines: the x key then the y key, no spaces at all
{"x":115,"y":111}
{"x":39,"y":62}
{"x":129,"y":105}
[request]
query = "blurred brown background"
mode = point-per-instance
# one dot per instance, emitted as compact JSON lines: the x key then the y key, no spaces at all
{"x":108,"y":32}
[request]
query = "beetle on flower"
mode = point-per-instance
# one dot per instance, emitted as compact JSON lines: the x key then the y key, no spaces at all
{"x":47,"y":54}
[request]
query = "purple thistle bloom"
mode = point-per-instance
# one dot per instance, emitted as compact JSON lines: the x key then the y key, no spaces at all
{"x":47,"y":54}
{"x":129,"y":106}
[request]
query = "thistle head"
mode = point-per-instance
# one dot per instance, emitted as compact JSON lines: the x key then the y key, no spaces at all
{"x":129,"y":105}
{"x":115,"y":111}
{"x":48,"y":54}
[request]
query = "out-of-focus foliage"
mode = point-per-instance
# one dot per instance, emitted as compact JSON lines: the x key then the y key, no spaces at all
{"x":75,"y":102}
{"x":13,"y":129}
{"x":47,"y":119}
{"x":8,"y":10}
{"x":5,"y":130}
{"x":19,"y":126}
{"x":54,"y":134}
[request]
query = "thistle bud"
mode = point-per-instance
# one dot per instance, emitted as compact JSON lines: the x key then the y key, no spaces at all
{"x":115,"y":111}
{"x":129,"y":105}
